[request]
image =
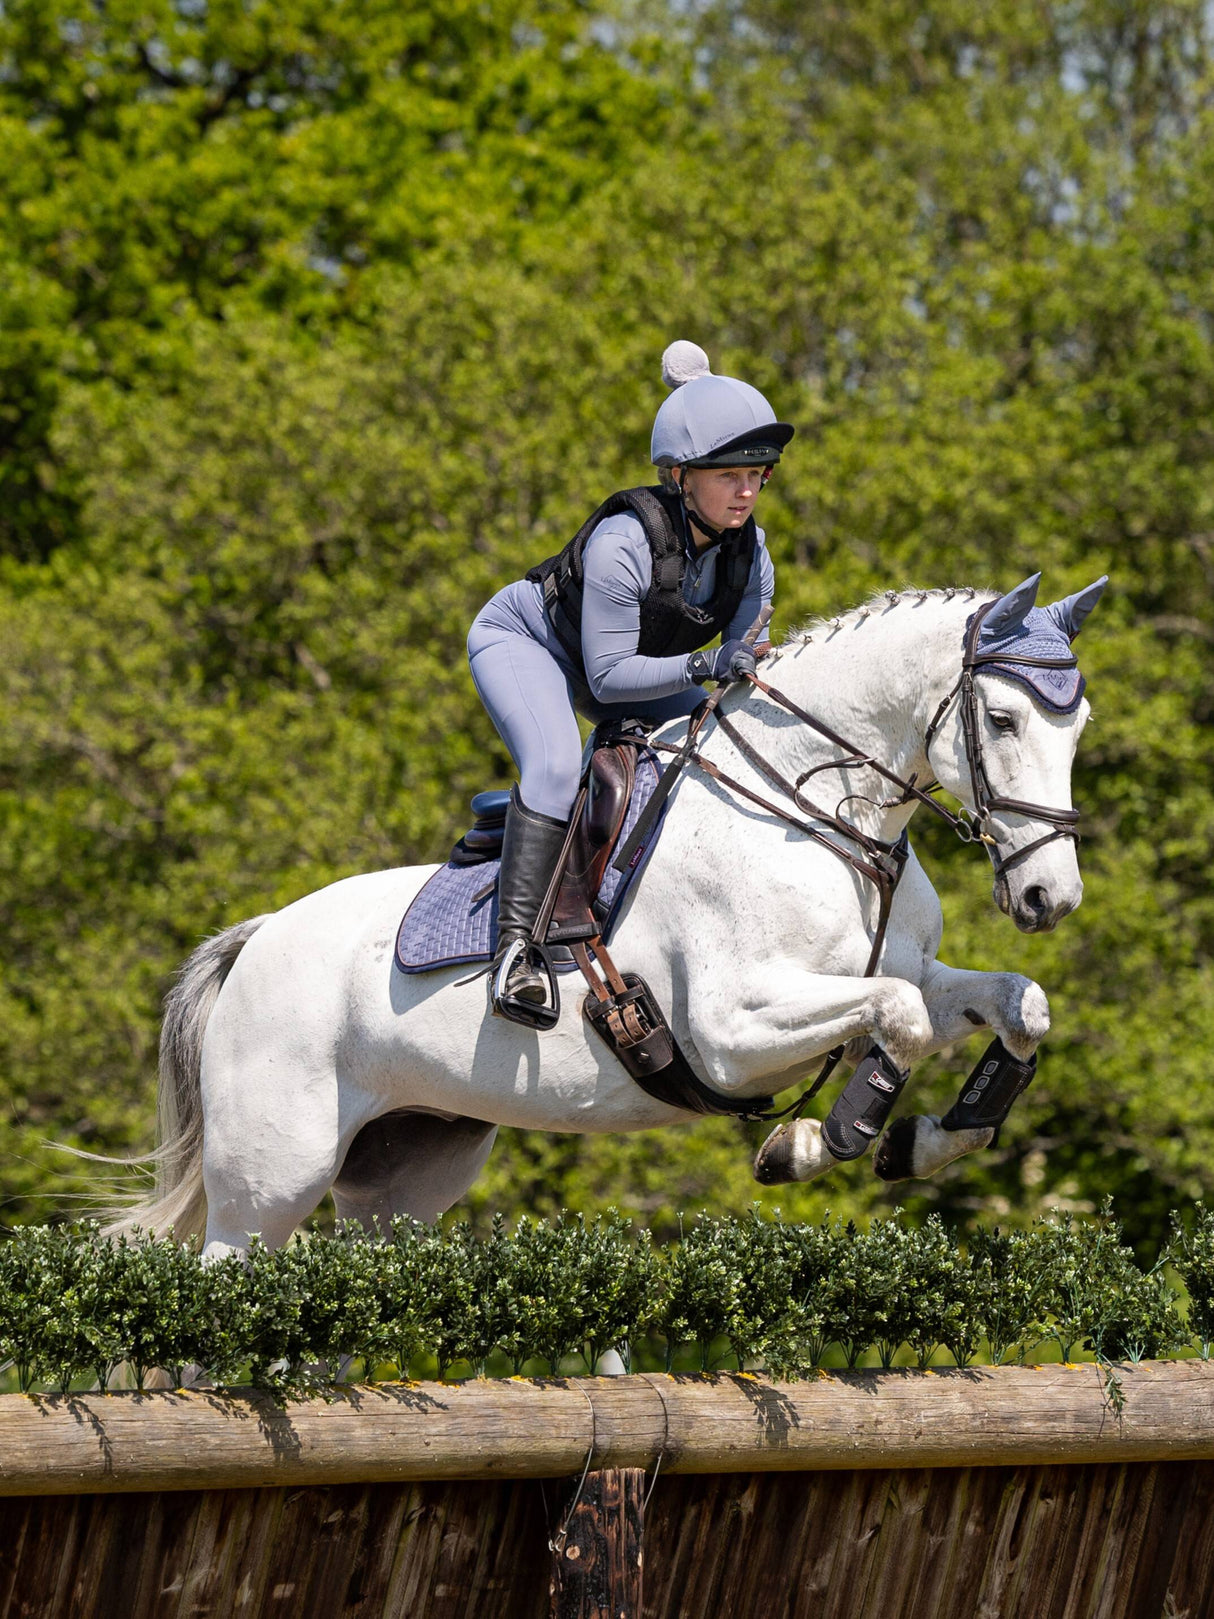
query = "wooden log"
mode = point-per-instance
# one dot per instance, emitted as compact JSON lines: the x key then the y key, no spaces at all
{"x":512,"y":1428}
{"x":596,"y":1553}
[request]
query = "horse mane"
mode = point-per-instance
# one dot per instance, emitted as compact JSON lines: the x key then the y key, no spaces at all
{"x":882,"y":602}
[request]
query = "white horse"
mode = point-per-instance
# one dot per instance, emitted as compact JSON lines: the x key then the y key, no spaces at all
{"x":296,"y":1057}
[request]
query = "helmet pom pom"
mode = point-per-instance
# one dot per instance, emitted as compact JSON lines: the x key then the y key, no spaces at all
{"x":683,"y":362}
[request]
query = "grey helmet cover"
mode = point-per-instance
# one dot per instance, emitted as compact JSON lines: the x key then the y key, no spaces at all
{"x":712,"y":421}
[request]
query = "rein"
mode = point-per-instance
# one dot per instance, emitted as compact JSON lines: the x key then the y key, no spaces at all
{"x":879,"y":862}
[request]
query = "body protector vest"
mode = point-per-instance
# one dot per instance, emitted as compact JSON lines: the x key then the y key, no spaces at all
{"x":669,"y":625}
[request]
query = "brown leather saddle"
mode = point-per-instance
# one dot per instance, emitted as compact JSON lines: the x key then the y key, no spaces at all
{"x":599,"y":812}
{"x":606,"y":793}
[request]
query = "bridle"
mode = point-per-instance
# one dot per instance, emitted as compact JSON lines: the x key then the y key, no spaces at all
{"x":880,"y":863}
{"x":1064,"y":823}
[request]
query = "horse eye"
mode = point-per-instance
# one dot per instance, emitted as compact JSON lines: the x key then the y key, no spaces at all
{"x":1002,"y":722}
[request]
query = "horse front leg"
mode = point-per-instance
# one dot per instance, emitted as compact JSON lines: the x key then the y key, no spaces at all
{"x":771,"y":1027}
{"x":767,"y":1025}
{"x":958,"y":1001}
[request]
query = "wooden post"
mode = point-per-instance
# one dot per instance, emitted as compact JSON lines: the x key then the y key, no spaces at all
{"x":596,"y":1556}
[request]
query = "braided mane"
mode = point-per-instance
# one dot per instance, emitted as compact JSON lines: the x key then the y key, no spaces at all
{"x":884,"y":601}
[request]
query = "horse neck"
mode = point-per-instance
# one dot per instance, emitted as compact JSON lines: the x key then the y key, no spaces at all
{"x":875,"y":677}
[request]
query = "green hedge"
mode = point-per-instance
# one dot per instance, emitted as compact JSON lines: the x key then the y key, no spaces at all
{"x":554,"y":1296}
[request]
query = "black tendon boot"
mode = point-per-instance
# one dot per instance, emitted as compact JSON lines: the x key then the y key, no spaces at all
{"x":520,"y":979}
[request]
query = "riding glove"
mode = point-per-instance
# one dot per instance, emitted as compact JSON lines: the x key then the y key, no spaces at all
{"x":726,"y":663}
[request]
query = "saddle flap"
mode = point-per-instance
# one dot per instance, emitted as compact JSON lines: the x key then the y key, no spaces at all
{"x":611,"y":779}
{"x":453,"y":919}
{"x":613,"y":773}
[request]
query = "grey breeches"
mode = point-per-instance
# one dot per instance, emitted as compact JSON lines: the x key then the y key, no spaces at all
{"x":534,"y":706}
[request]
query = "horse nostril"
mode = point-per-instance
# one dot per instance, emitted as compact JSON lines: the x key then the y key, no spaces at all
{"x":1036,"y":899}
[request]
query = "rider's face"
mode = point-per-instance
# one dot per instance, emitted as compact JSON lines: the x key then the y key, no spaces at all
{"x":723,"y":496}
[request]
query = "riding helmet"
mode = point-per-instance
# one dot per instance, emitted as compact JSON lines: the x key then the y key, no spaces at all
{"x":711,"y":421}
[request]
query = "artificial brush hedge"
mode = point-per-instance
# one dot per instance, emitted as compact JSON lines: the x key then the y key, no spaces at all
{"x":554,"y":1296}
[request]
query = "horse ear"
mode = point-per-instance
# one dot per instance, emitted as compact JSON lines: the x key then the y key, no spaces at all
{"x":1071,"y":611}
{"x":1011,"y":610}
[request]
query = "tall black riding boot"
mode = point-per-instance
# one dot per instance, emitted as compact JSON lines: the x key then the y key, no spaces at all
{"x":531,"y":846}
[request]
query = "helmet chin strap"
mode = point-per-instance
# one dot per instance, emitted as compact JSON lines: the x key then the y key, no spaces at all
{"x":716,"y":535}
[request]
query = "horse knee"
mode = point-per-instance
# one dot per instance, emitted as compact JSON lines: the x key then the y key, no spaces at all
{"x":1026,"y":1014}
{"x":901,"y":1023}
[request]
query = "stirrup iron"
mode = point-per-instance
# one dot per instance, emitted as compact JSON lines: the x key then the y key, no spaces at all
{"x":532,"y":1014}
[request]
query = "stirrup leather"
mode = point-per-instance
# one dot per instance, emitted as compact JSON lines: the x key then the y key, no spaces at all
{"x":625,"y":1014}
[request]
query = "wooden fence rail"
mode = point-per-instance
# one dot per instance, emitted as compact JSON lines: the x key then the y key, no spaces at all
{"x":954,"y":1495}
{"x":516,"y":1428}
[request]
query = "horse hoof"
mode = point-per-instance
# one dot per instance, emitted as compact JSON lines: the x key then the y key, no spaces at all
{"x":915,"y":1147}
{"x":895,"y":1155}
{"x":773,"y":1161}
{"x":793,"y":1152}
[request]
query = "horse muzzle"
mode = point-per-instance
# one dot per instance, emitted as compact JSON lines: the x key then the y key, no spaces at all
{"x":1037,"y":908}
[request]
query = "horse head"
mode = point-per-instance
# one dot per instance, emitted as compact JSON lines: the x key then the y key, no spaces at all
{"x":1018,"y":719}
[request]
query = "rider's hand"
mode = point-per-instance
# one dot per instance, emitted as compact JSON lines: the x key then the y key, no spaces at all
{"x":733,"y":659}
{"x":726,"y":663}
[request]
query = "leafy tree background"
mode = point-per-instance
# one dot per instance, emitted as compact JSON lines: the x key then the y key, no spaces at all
{"x":321,"y":319}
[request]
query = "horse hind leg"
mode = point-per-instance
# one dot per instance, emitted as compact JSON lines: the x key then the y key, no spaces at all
{"x":269,"y":1155}
{"x":286,"y":1190}
{"x":410,"y":1163}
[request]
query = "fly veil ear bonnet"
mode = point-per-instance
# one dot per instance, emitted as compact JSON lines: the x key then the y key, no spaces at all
{"x":1032,"y":644}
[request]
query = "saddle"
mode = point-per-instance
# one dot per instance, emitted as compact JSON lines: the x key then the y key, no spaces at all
{"x":581,"y":905}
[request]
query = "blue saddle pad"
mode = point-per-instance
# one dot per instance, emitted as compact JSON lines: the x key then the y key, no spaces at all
{"x":453,"y":920}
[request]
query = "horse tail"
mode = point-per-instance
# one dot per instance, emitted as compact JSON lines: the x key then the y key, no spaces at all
{"x":178,"y":1202}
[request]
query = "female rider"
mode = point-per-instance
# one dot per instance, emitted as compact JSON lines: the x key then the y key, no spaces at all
{"x":612,"y":626}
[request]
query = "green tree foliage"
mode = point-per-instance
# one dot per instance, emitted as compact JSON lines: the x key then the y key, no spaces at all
{"x":319,"y":322}
{"x":169,"y":159}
